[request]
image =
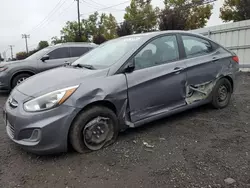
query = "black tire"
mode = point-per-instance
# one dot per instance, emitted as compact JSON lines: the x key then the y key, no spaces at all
{"x":18,"y":77}
{"x":77,"y":136}
{"x":218,"y":101}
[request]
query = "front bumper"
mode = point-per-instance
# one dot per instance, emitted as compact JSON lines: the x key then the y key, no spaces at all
{"x":43,"y":132}
{"x":4,"y":82}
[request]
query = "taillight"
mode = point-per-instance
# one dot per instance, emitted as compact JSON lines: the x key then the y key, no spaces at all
{"x":236,"y":59}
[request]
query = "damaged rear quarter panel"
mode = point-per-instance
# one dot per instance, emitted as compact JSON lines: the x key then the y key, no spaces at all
{"x":203,"y":74}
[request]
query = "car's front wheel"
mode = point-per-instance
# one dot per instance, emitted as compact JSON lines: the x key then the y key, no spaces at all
{"x":222,"y":93}
{"x":94,"y":129}
{"x":18,"y":79}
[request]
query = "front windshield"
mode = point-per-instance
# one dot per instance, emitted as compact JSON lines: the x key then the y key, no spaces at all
{"x":39,"y":54}
{"x":108,"y":53}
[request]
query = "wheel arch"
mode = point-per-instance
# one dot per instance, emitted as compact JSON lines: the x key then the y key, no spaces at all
{"x":21,"y":72}
{"x":104,"y":103}
{"x":229,"y":78}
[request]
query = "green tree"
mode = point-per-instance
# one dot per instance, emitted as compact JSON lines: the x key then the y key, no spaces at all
{"x":21,"y":55}
{"x":99,"y":39}
{"x":100,"y":25}
{"x":109,"y":24}
{"x":141,"y":15}
{"x":94,"y":25}
{"x":56,"y":40}
{"x":235,"y":10}
{"x":184,"y":14}
{"x":125,"y":28}
{"x":70,"y":33}
{"x":32,"y":52}
{"x":42,"y":44}
{"x":90,"y":25}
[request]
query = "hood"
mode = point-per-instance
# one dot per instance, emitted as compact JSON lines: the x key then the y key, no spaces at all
{"x":11,"y":62}
{"x":57,"y":78}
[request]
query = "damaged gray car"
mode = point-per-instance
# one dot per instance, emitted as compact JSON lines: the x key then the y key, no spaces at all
{"x":123,"y":83}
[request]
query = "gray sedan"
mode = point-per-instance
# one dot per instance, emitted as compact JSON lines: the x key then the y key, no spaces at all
{"x":123,"y":83}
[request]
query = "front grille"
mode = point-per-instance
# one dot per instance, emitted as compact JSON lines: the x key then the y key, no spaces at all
{"x":10,"y":130}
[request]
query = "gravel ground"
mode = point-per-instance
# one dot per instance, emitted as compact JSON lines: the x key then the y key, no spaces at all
{"x":198,"y":148}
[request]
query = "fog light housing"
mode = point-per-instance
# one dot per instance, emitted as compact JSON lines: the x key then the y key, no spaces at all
{"x":30,"y":135}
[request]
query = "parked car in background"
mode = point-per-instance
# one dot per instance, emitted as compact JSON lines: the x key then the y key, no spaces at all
{"x":123,"y":83}
{"x":15,"y":72}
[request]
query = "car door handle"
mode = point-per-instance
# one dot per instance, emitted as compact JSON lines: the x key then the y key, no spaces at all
{"x":177,"y":70}
{"x":214,"y":59}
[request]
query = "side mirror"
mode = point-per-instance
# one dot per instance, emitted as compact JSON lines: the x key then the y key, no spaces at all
{"x":45,"y":57}
{"x":130,"y":67}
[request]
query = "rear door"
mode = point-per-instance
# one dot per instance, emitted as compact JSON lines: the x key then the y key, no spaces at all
{"x":201,"y":57}
{"x":203,"y":61}
{"x":57,"y":57}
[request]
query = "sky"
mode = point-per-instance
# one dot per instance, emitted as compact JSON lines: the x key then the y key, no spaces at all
{"x":43,"y":19}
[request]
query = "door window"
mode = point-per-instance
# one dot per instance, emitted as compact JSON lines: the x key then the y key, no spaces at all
{"x":78,"y":51}
{"x":195,"y":46}
{"x":59,"y":53}
{"x":159,"y":51}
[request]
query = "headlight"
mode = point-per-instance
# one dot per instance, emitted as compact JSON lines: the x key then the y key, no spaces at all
{"x":49,"y":100}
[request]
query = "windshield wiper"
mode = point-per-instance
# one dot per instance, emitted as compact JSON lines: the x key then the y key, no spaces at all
{"x":85,"y":66}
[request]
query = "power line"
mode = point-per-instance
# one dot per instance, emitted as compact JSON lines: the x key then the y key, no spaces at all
{"x":61,"y":13}
{"x":52,"y":12}
{"x":47,"y":18}
{"x":107,"y":7}
{"x":88,"y":4}
{"x":99,"y":4}
{"x":97,"y":8}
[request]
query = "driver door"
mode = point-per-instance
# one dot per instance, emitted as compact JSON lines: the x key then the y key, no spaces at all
{"x":157,"y":85}
{"x":57,"y":57}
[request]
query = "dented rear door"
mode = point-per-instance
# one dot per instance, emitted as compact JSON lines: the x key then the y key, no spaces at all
{"x":202,"y":67}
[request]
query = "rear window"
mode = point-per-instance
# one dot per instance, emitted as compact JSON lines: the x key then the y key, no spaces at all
{"x":195,"y":46}
{"x":78,"y":51}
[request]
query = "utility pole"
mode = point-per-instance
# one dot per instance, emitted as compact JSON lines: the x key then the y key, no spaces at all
{"x":25,"y":36}
{"x":79,"y":21}
{"x":11,"y":50}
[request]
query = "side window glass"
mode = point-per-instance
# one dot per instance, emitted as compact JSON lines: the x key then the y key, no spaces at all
{"x":59,"y":53}
{"x":159,"y":51}
{"x":195,"y":46}
{"x":78,"y":51}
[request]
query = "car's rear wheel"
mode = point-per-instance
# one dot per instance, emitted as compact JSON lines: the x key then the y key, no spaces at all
{"x":94,"y":129}
{"x":222,"y":93}
{"x":18,"y":79}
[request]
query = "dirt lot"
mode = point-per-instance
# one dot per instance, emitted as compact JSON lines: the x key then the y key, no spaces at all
{"x":198,"y":148}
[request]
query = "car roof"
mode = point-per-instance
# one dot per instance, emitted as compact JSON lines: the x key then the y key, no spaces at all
{"x":156,"y":33}
{"x":77,"y":44}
